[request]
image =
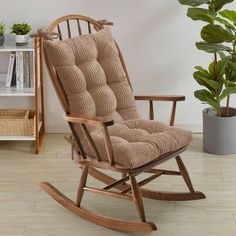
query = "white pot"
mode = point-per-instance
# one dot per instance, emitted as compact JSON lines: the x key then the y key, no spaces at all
{"x":22,"y":39}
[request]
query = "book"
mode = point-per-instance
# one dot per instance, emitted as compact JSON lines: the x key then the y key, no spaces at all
{"x":24,"y":70}
{"x":17,"y":71}
{"x":21,"y":70}
{"x":10,"y":71}
{"x":27,"y":69}
{"x":31,"y":69}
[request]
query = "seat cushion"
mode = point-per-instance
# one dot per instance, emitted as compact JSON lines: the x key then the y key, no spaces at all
{"x":137,"y":142}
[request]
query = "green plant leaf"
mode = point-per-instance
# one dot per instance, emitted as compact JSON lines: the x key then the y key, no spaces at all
{"x":226,"y":92}
{"x":225,"y":22}
{"x":2,"y":28}
{"x":200,"y":14}
{"x":217,"y":71}
{"x":206,"y":97}
{"x":20,"y":29}
{"x":220,"y":68}
{"x":212,"y":48}
{"x":205,"y":80}
{"x":228,"y":83}
{"x":230,"y":15}
{"x":222,"y":56}
{"x":216,"y":34}
{"x":193,"y":3}
{"x":232,"y":65}
{"x":199,"y":68}
{"x":218,"y":4}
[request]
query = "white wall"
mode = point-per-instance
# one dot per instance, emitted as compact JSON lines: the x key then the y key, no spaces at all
{"x":155,"y":36}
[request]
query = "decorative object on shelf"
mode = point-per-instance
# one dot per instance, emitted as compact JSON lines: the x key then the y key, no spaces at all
{"x":21,"y":31}
{"x":17,"y":122}
{"x":2,"y":32}
{"x":219,"y":79}
{"x":107,"y":131}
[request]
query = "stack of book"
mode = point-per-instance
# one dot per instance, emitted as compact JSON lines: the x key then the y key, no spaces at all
{"x":20,"y":70}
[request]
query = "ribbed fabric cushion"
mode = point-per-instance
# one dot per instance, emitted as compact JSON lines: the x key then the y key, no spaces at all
{"x":95,"y":83}
{"x":92,"y":76}
{"x":137,"y":142}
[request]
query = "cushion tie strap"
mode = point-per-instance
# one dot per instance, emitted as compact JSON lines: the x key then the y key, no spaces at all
{"x":45,"y":34}
{"x":103,"y":22}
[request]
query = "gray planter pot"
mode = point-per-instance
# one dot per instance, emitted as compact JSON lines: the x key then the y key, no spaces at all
{"x":2,"y":39}
{"x":219,"y":133}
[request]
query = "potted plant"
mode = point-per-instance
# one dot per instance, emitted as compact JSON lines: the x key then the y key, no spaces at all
{"x":219,"y":78}
{"x":2,"y":32}
{"x":21,"y":31}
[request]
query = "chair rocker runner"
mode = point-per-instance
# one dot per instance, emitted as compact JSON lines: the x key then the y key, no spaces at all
{"x":92,"y":83}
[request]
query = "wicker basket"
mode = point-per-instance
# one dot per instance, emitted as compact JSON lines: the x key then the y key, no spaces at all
{"x":17,"y":122}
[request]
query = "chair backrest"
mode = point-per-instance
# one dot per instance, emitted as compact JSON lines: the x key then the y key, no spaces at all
{"x":68,"y":27}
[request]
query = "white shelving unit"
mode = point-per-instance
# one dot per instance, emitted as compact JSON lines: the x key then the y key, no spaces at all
{"x":34,"y":46}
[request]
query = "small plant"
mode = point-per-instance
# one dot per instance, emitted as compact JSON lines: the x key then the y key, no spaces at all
{"x":219,"y":39}
{"x":2,"y":28}
{"x":20,"y":29}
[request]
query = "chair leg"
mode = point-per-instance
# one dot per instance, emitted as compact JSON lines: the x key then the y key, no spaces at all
{"x":82,"y":184}
{"x":137,"y":197}
{"x":184,"y":173}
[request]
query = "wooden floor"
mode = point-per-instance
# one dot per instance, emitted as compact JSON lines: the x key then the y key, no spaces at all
{"x":26,"y":210}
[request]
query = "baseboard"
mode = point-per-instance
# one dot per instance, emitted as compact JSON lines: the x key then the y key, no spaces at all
{"x":57,"y":129}
{"x":195,"y":128}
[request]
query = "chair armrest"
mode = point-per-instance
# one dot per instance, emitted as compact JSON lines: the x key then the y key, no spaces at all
{"x":93,"y":121}
{"x":175,"y":98}
{"x":89,"y":120}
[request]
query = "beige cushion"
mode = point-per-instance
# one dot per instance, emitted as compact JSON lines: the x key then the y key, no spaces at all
{"x":92,"y":76}
{"x":137,"y":142}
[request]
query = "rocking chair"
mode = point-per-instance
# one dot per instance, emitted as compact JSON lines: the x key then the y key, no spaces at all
{"x":92,"y":83}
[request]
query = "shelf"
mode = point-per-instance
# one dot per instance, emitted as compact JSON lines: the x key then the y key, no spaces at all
{"x":15,"y":92}
{"x":10,"y":45}
{"x":20,"y":138}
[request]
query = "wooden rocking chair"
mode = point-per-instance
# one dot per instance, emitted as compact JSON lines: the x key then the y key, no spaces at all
{"x":92,"y":83}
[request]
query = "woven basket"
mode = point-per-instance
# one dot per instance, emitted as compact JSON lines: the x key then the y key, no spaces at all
{"x":17,"y":122}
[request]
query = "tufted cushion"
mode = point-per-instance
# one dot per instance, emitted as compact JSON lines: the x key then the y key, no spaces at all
{"x":137,"y":142}
{"x":95,"y":83}
{"x":92,"y":76}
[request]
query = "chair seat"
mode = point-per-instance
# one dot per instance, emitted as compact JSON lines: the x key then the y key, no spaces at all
{"x":137,"y":142}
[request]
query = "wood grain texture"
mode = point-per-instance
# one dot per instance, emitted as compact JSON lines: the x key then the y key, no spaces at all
{"x":96,"y":219}
{"x":159,"y":98}
{"x":108,"y":193}
{"x":89,"y":120}
{"x":184,"y":173}
{"x":151,"y":110}
{"x":109,"y":147}
{"x":137,"y":196}
{"x":42,"y":84}
{"x":79,"y":27}
{"x":36,"y":82}
{"x":68,"y":28}
{"x":82,"y":184}
{"x":91,"y":142}
{"x":173,"y":111}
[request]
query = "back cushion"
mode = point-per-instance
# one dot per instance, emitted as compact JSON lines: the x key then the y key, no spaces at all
{"x":92,"y":76}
